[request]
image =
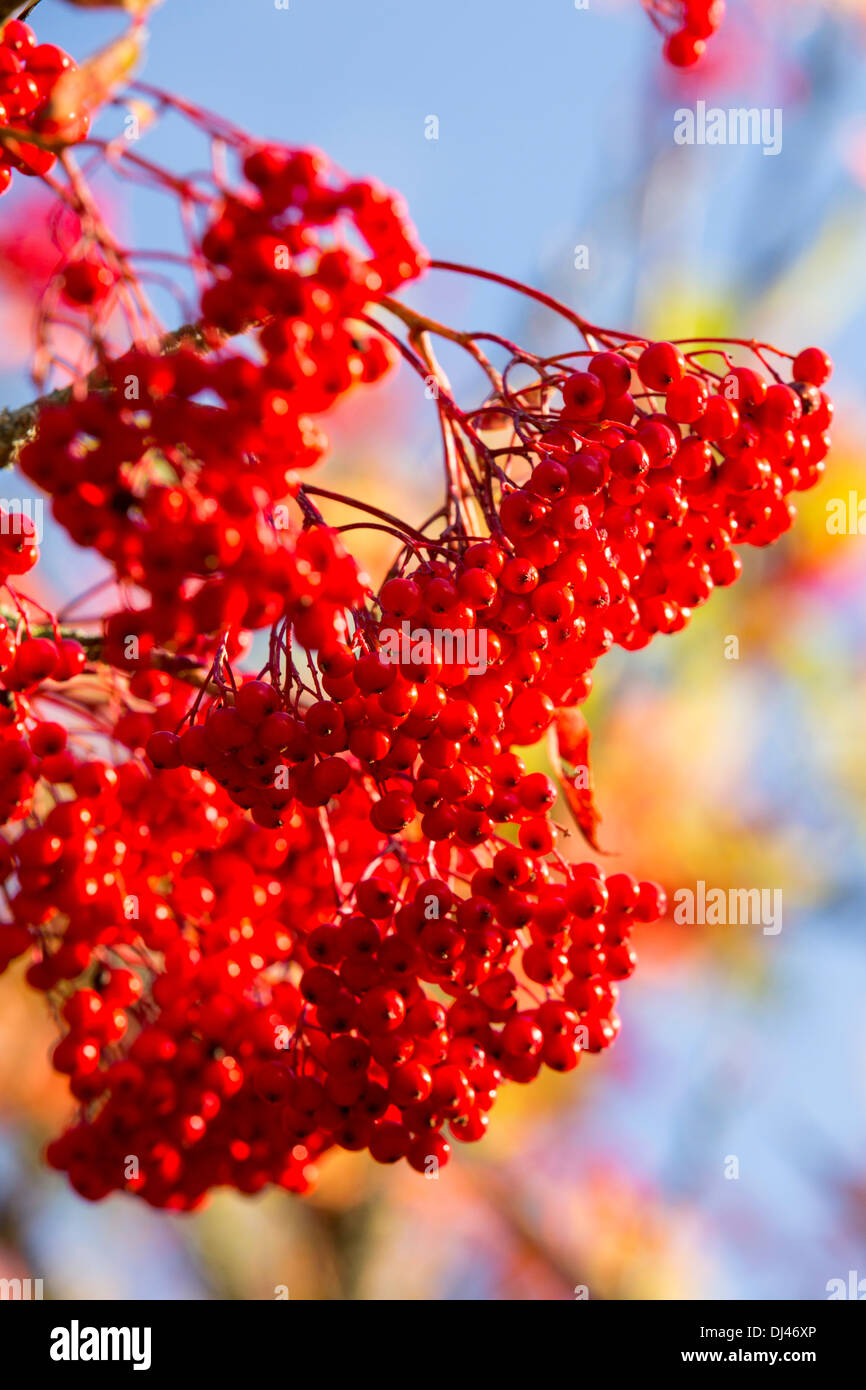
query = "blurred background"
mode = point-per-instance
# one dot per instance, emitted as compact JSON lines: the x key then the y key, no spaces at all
{"x":719,"y":1150}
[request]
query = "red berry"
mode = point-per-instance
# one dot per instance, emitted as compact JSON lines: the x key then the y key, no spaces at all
{"x":19,"y":37}
{"x":36,"y":660}
{"x":164,"y":750}
{"x":684,"y":48}
{"x":812,"y":366}
{"x":613,"y":371}
{"x":660,"y":365}
{"x":583,"y":396}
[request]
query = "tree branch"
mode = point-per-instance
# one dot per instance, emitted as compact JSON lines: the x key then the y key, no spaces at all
{"x":18,"y":426}
{"x":183,"y":668}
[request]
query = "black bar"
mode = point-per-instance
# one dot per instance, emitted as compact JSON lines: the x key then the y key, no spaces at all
{"x":278,"y":1337}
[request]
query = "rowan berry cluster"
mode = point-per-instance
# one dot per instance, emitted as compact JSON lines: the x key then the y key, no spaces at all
{"x":640,"y":482}
{"x":302,"y":1003}
{"x":232,"y":1027}
{"x":321,"y":899}
{"x":28,"y":751}
{"x":29,"y":74}
{"x":186,"y":498}
{"x":275,"y":267}
{"x":687,"y":25}
{"x":225,"y":1024}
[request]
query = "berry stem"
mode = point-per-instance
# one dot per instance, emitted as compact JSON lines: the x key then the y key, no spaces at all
{"x":586,"y":329}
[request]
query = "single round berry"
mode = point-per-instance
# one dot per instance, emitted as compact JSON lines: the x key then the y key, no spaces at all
{"x":660,"y":365}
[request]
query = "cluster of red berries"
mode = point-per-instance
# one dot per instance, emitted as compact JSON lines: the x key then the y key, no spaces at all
{"x":25,"y":662}
{"x":153,"y":985}
{"x":325,"y":906}
{"x":186,"y":499}
{"x":687,"y":24}
{"x":243,"y":994}
{"x":653,"y":469}
{"x":285,"y":256}
{"x":29,"y":73}
{"x":626,"y":521}
{"x":226,"y":1022}
{"x":636,"y":490}
{"x":31,"y":748}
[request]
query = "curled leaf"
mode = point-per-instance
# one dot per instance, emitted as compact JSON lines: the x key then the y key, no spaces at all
{"x":569,"y":756}
{"x":91,"y":84}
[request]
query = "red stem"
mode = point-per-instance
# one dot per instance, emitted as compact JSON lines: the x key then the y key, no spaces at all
{"x":586,"y":328}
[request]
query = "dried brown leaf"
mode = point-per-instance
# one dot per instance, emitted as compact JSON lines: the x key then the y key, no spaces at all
{"x":95,"y":80}
{"x":569,"y":755}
